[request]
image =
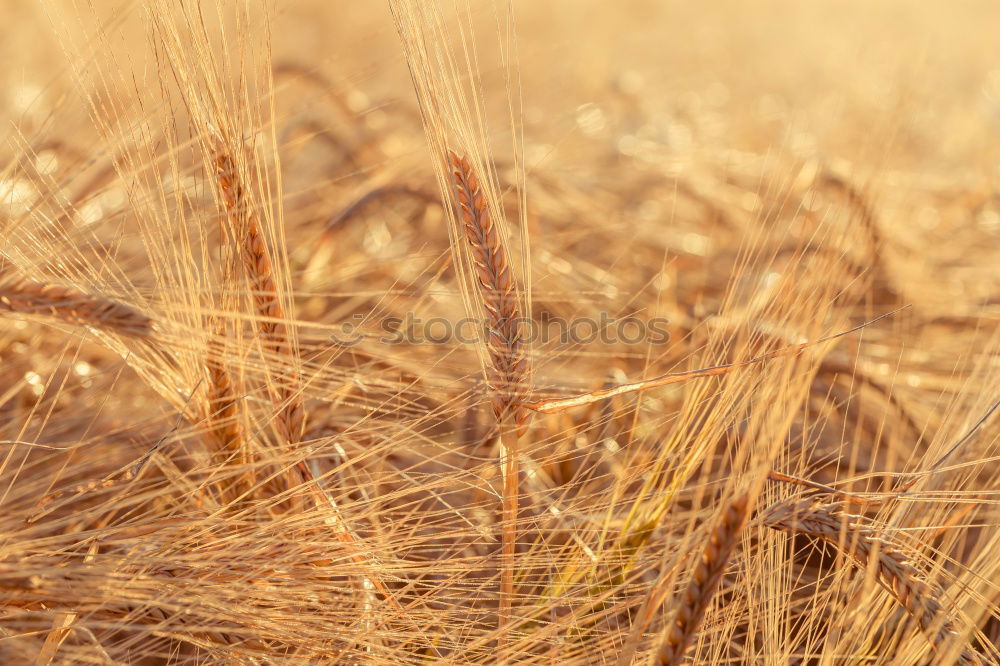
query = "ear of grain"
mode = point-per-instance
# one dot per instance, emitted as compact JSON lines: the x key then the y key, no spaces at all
{"x":690,"y":608}
{"x":507,"y":373}
{"x":32,"y":297}
{"x":224,"y":412}
{"x":259,"y":270}
{"x":920,"y":598}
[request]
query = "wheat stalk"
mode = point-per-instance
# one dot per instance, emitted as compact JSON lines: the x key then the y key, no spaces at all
{"x":32,"y":297}
{"x":506,"y":374}
{"x":920,"y":598}
{"x":690,"y":609}
{"x":259,"y":271}
{"x":273,"y":330}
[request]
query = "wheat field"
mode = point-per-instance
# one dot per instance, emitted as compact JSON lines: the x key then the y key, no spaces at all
{"x":499,"y":332}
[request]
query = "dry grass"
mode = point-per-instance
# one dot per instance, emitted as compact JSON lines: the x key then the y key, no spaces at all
{"x":232,"y":429}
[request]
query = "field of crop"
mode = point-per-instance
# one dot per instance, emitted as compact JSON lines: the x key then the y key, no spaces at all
{"x":499,"y":332}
